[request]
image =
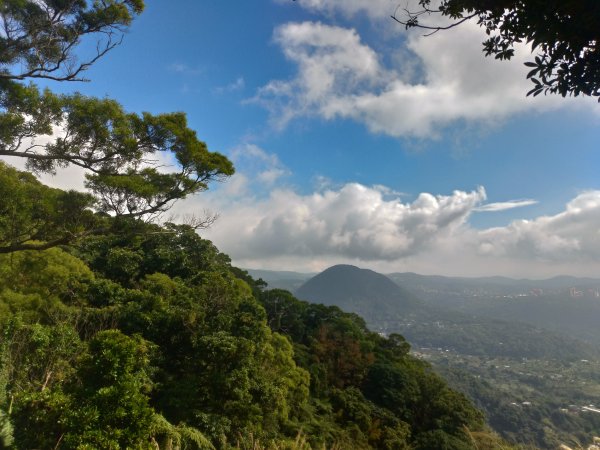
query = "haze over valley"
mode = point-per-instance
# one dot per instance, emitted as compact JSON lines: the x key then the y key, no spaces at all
{"x":526,"y":351}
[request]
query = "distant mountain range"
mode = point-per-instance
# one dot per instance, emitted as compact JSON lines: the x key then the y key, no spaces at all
{"x":390,"y":308}
{"x":503,"y":342}
{"x":567,"y":305}
{"x":563,"y":304}
{"x":290,"y":281}
{"x":449,"y":285}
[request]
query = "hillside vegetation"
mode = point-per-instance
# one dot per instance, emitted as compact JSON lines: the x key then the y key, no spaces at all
{"x":145,"y":336}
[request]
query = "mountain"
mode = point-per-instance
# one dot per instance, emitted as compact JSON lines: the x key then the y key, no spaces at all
{"x":523,"y":376}
{"x":389,"y":308}
{"x":369,"y":294}
{"x":567,"y":305}
{"x":436,"y":288}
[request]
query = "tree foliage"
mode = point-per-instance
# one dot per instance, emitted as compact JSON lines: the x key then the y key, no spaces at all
{"x":564,"y":34}
{"x":35,"y":216}
{"x":136,"y":165}
{"x":38,"y":38}
{"x":146,"y":336}
{"x":122,"y":152}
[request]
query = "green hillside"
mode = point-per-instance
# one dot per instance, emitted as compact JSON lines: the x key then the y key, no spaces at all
{"x":144,"y":336}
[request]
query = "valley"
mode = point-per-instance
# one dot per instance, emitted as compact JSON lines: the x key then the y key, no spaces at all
{"x":525,"y":351}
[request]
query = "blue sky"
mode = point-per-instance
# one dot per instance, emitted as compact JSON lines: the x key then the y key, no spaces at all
{"x":357,"y":142}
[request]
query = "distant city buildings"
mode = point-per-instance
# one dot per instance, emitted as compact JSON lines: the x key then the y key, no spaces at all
{"x":576,"y":293}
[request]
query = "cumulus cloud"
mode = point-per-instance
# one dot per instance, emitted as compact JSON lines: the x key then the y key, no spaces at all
{"x":355,"y":221}
{"x":366,"y":226}
{"x":340,"y":76}
{"x":253,"y":162}
{"x":572,"y":235}
{"x":373,"y":226}
{"x":331,"y":61}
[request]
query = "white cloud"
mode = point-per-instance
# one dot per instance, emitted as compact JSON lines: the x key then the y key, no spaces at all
{"x":353,"y":222}
{"x":503,"y":206}
{"x":572,"y":235}
{"x":252,"y":162}
{"x":375,"y":9}
{"x":331,"y":61}
{"x":374,"y":227}
{"x":363,"y":225}
{"x":387,"y":191}
{"x":340,"y":76}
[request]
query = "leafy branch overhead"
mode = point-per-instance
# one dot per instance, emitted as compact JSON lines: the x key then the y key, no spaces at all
{"x":136,"y":165}
{"x":564,"y":34}
{"x":38,"y":38}
{"x":121,"y":150}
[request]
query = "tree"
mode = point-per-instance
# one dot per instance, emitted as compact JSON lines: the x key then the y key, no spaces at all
{"x":125,"y":154}
{"x":105,"y":405}
{"x":38,"y":38}
{"x":565,"y":33}
{"x":119,"y":149}
{"x":34,"y":216}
